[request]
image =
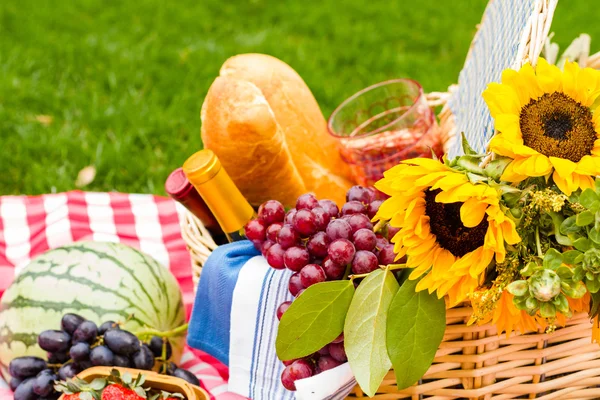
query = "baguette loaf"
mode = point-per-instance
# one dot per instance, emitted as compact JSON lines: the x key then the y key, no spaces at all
{"x":264,"y":124}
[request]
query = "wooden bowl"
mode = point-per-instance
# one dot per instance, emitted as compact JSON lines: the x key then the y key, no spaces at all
{"x":154,"y":380}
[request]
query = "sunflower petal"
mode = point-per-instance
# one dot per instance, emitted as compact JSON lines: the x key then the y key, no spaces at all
{"x":501,"y":99}
{"x":472,"y":212}
{"x":549,"y":76}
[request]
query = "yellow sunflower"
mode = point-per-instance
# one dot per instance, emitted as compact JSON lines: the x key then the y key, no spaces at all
{"x":547,"y":123}
{"x":450,"y":228}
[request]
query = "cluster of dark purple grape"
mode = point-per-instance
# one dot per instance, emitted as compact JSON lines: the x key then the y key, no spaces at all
{"x":81,"y":344}
{"x":320,"y":242}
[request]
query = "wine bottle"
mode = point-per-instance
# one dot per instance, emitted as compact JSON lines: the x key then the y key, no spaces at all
{"x":179,"y":188}
{"x":223,"y":198}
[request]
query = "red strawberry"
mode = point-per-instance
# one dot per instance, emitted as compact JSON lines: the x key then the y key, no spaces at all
{"x":118,"y":392}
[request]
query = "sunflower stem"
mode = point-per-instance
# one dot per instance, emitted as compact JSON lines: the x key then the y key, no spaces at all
{"x":538,"y":243}
{"x":153,"y":332}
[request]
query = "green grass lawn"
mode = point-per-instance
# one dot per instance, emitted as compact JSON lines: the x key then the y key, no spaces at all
{"x":122,"y":82}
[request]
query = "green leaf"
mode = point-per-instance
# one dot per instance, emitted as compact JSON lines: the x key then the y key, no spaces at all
{"x":314,"y":319}
{"x":98,"y":384}
{"x":583,"y":244}
{"x":365,"y":329}
{"x":552,"y":259}
{"x":416,"y":325}
{"x":585,"y":218}
{"x":86,"y":396}
{"x":547,"y":310}
{"x":593,"y":285}
{"x":467,"y":149}
{"x":569,"y":225}
{"x":589,"y":199}
{"x":557,"y":221}
{"x":496,"y":167}
{"x":595,"y":307}
{"x":570,"y":256}
{"x":594,"y":235}
{"x":564,"y":273}
{"x":518,"y":288}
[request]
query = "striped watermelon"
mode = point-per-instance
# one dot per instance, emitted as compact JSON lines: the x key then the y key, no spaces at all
{"x":100,"y":281}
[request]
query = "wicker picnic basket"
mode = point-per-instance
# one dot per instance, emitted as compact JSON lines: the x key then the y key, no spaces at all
{"x":474,"y":362}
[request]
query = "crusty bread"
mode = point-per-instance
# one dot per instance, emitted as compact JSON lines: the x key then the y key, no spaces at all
{"x":267,"y":129}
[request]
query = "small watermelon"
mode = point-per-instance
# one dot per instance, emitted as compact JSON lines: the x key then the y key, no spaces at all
{"x":100,"y":281}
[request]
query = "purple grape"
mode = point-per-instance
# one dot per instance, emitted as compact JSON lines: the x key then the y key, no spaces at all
{"x":186,"y":376}
{"x":359,"y":221}
{"x":289,"y":216}
{"x":67,"y":371}
{"x":121,"y":342}
{"x":80,"y":351}
{"x":333,"y":270}
{"x":317,"y":244}
{"x":296,"y":257}
{"x":70,"y":322}
{"x":273,"y":230}
{"x":43,"y":384}
{"x":271,"y":211}
{"x":275,"y":255}
{"x":54,"y":341}
{"x":353,"y":207}
{"x":287,"y":237}
{"x":327,"y":362}
{"x":256,"y":231}
{"x":295,"y":285}
{"x":331,"y":208}
{"x":304,"y":223}
{"x":106,"y":326}
{"x":86,"y":332}
{"x":25,"y":390}
{"x":58,"y":358}
{"x":283,"y":308}
{"x":373,"y":207}
{"x":156,"y":345}
{"x":102,"y":356}
{"x":311,"y":274}
{"x":143,"y":358}
{"x":341,"y":251}
{"x":386,"y":255}
{"x":26,"y":367}
{"x":307,"y":201}
{"x":14,"y":383}
{"x":360,"y":194}
{"x":337,"y":352}
{"x":122,"y":361}
{"x":339,"y":229}
{"x":364,"y":239}
{"x":299,"y":369}
{"x":364,"y":262}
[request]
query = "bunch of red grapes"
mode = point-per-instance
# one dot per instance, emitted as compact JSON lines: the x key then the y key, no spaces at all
{"x":320,"y":242}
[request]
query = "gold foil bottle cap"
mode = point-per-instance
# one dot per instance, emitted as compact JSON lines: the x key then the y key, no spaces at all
{"x":202,"y":166}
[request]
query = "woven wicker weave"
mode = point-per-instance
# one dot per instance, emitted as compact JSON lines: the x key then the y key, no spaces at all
{"x":474,"y":362}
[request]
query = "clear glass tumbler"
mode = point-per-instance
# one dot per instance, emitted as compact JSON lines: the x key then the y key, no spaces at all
{"x":382,"y":125}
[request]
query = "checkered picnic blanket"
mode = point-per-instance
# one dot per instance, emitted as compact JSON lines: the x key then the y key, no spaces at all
{"x":30,"y":225}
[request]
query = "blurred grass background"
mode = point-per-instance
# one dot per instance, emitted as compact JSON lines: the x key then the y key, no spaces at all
{"x":119,"y":84}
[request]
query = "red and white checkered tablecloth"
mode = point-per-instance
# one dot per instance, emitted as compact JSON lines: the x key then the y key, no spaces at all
{"x":30,"y":225}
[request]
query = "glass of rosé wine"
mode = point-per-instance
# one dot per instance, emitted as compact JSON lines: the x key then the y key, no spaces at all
{"x":382,"y":125}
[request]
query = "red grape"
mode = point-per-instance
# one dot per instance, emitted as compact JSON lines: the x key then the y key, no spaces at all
{"x":359,"y":221}
{"x":283,"y":308}
{"x":256,"y":231}
{"x":271,"y":211}
{"x":317,"y":244}
{"x":364,"y":239}
{"x":364,"y":262}
{"x":333,"y":270}
{"x":300,"y":292}
{"x":392,"y":231}
{"x":321,"y":218}
{"x":386,"y":255}
{"x":273,"y":230}
{"x":381,"y":242}
{"x":341,"y":251}
{"x":373,"y":207}
{"x":327,"y":362}
{"x":266,"y":246}
{"x":336,"y":350}
{"x":339,"y":339}
{"x":331,"y":208}
{"x":324,"y":351}
{"x":290,"y":362}
{"x":299,"y":369}
{"x":311,"y":274}
{"x":287,"y":236}
{"x":295,"y":284}
{"x":307,"y":201}
{"x":339,"y":229}
{"x":359,"y":193}
{"x":289,"y":217}
{"x":353,"y":207}
{"x":295,"y":258}
{"x":304,"y":223}
{"x":274,"y":256}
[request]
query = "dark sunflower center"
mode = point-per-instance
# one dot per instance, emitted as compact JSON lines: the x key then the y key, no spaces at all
{"x":450,"y":233}
{"x":558,"y":126}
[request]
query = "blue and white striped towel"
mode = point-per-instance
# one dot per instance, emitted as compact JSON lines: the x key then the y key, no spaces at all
{"x":234,"y":320}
